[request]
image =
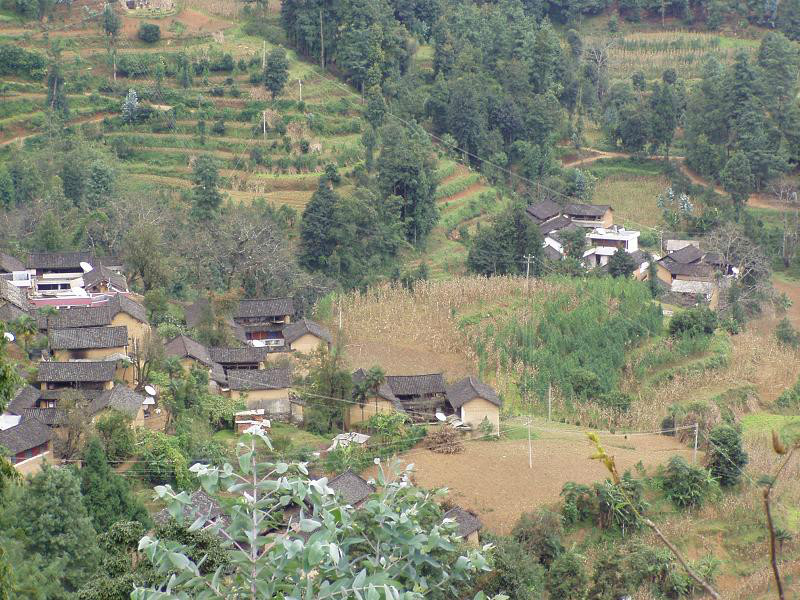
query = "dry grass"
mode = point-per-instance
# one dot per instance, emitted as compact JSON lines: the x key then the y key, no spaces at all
{"x":633,"y":198}
{"x":416,"y":331}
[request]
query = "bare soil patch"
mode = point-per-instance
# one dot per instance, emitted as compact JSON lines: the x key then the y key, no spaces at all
{"x":494,"y":479}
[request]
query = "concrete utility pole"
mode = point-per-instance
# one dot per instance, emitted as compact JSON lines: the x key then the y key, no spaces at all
{"x":528,"y":258}
{"x":530,"y":448}
{"x":300,"y":81}
{"x":694,"y":452}
{"x":264,"y":56}
{"x":264,"y":124}
{"x":549,"y":400}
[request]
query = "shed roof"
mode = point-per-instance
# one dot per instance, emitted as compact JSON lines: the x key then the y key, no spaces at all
{"x":76,"y":371}
{"x":681,"y":286}
{"x":416,"y":385}
{"x":85,"y":338}
{"x":294,"y":331}
{"x":183,"y":346}
{"x":351,"y":487}
{"x":102,"y":273}
{"x":13,"y":295}
{"x":201,"y":505}
{"x":468,"y":522}
{"x":9,"y":264}
{"x":555,"y":224}
{"x":544,"y":210}
{"x":686,"y":255}
{"x":52,"y":417}
{"x":25,"y":397}
{"x":277,"y":378}
{"x":28,"y":434}
{"x":469,"y":388}
{"x":120,"y":398}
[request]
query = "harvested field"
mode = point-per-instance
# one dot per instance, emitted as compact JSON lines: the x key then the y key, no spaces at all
{"x":494,"y":480}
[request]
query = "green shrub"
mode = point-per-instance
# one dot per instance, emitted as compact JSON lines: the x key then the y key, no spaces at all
{"x":540,"y":533}
{"x":693,"y":322}
{"x":790,"y":398}
{"x":726,"y":458}
{"x":218,"y":128}
{"x":514,"y":571}
{"x":149,"y":33}
{"x":566,"y":578}
{"x":687,"y":486}
{"x":578,"y":502}
{"x":786,"y":334}
{"x":24,"y":63}
{"x":620,"y":505}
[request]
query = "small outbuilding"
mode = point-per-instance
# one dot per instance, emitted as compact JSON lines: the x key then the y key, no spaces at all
{"x":475,"y":402}
{"x":468,"y":524}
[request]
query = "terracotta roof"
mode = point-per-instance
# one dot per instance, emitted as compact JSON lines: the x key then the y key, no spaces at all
{"x":555,"y":224}
{"x":183,"y":346}
{"x":294,"y":331}
{"x":120,"y":398}
{"x":469,"y":388}
{"x":25,"y":397}
{"x":278,"y":378}
{"x":85,"y":338}
{"x":544,"y":210}
{"x":416,"y":385}
{"x":247,"y":354}
{"x":9,"y":264}
{"x":101,"y":273}
{"x":52,"y":417}
{"x":586,"y":210}
{"x":468,"y":522}
{"x":265,"y":307}
{"x":76,"y":371}
{"x":28,"y":434}
{"x":351,"y":487}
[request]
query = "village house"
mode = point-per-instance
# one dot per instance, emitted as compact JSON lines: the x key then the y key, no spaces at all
{"x":590,"y":216}
{"x":305,"y":336}
{"x":468,"y":525}
{"x":382,"y":400}
{"x":62,"y":276}
{"x":76,"y":375}
{"x":246,"y":357}
{"x":28,"y":441}
{"x":125,"y":400}
{"x":102,"y":280}
{"x":9,"y":264}
{"x":605,"y":243}
{"x":13,"y":302}
{"x":92,"y":343}
{"x":25,"y":397}
{"x":258,"y":322}
{"x":201,"y":506}
{"x":475,"y":402}
{"x":420,"y":396}
{"x":265,"y":388}
{"x":689,"y":274}
{"x":193,"y":355}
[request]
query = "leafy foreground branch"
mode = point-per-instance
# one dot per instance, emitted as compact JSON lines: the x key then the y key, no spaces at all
{"x":288,"y":537}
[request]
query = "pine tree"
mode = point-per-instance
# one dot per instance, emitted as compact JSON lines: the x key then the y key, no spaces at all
{"x":318,"y":227}
{"x":621,"y":264}
{"x":7,"y":195}
{"x":207,"y":198}
{"x":130,"y":107}
{"x":106,"y":495}
{"x":737,"y":179}
{"x":276,"y":72}
{"x":53,"y":519}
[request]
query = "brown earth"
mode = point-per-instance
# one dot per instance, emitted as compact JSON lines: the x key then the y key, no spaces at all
{"x":494,"y":478}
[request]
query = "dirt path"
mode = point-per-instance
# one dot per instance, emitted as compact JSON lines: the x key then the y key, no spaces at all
{"x":81,"y":121}
{"x":755,"y":200}
{"x":468,"y":191}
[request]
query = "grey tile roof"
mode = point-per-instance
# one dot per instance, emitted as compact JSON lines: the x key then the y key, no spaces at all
{"x":120,"y":398}
{"x":384,"y":391}
{"x":686,"y":255}
{"x":25,"y":397}
{"x":277,"y":378}
{"x":294,"y":331}
{"x":58,"y":394}
{"x":557,"y":235}
{"x":76,"y":371}
{"x":94,"y":316}
{"x":551,"y":253}
{"x":351,"y":487}
{"x":218,"y":374}
{"x":13,"y":295}
{"x":246,"y":354}
{"x":52,"y":417}
{"x":28,"y":434}
{"x":555,"y":224}
{"x":102,"y":273}
{"x":9,"y":264}
{"x":84,"y":338}
{"x":122,"y":303}
{"x":183,"y":346}
{"x":697,"y":269}
{"x":579,"y":211}
{"x":59,"y":260}
{"x":416,"y":385}
{"x":469,"y":388}
{"x":468,"y":522}
{"x":543,"y":210}
{"x":9,"y":312}
{"x":265,"y":307}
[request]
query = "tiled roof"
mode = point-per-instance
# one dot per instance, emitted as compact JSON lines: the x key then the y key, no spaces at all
{"x":59,"y":394}
{"x":686,"y":255}
{"x":416,"y":385}
{"x":554,"y":224}
{"x":25,"y":397}
{"x":120,"y":398}
{"x":84,"y":338}
{"x":265,"y":307}
{"x":468,"y":522}
{"x":247,"y":354}
{"x":183,"y":346}
{"x":101,"y":273}
{"x":586,"y":210}
{"x":544,"y":210}
{"x":122,"y":303}
{"x":697,"y":269}
{"x":351,"y":487}
{"x":76,"y":371}
{"x":59,"y":260}
{"x":51,"y":417}
{"x":298,"y":329}
{"x":9,"y":264}
{"x":9,"y":312}
{"x":259,"y":379}
{"x":469,"y":388}
{"x":28,"y":434}
{"x":558,"y":235}
{"x":13,"y":295}
{"x":384,"y":391}
{"x":94,"y":316}
{"x":551,"y":253}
